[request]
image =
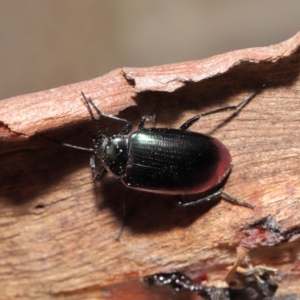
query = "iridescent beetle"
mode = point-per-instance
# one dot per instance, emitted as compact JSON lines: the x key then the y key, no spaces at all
{"x":163,"y":160}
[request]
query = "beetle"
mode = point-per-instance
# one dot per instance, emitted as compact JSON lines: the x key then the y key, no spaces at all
{"x":163,"y":160}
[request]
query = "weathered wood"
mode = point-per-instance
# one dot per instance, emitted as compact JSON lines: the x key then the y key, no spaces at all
{"x":58,"y":226}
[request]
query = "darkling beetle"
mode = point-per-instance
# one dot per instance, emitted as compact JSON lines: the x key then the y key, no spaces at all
{"x":163,"y":160}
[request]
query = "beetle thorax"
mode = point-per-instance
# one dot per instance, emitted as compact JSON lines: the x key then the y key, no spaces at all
{"x":114,"y":154}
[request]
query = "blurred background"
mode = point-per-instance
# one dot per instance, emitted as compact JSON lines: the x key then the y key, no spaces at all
{"x":48,"y":43}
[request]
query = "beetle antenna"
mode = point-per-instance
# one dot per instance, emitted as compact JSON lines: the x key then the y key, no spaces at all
{"x":90,"y":150}
{"x":88,"y":103}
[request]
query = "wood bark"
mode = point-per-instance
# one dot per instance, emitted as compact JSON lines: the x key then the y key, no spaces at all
{"x":59,"y":227}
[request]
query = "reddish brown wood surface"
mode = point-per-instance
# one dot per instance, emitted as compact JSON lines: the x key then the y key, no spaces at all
{"x":58,"y":226}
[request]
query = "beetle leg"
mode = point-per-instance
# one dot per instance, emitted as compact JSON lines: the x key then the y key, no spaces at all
{"x":151,"y":118}
{"x":237,"y":108}
{"x":127,"y":128}
{"x":236,"y":201}
{"x":215,"y":195}
{"x":189,"y":122}
{"x":97,"y":176}
{"x":89,"y":103}
{"x":100,"y":174}
{"x":207,"y":198}
{"x":146,"y":118}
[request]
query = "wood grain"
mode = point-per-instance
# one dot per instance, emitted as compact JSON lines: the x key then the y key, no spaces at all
{"x":58,"y":226}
